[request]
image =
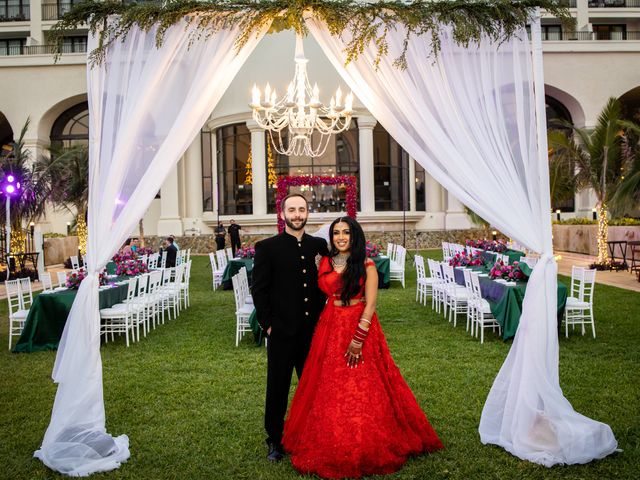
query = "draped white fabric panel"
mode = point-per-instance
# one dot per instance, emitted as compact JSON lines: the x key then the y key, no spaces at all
{"x":469,"y":118}
{"x":146,"y":105}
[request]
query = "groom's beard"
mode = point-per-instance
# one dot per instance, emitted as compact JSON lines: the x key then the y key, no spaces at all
{"x":292,"y":226}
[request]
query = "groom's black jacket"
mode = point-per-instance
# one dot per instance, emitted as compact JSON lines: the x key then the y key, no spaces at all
{"x":285,"y":283}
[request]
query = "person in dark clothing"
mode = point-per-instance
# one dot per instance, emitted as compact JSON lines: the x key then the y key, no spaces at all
{"x":234,"y":236}
{"x":288,"y":303}
{"x":172,"y":251}
{"x":220,"y":233}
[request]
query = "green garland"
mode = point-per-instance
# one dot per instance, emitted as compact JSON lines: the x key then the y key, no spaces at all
{"x":366,"y":22}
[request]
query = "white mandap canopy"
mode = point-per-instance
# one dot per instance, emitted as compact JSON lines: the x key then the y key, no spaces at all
{"x":473,"y":118}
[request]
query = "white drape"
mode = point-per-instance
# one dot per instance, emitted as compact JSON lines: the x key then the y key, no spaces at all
{"x":146,"y":105}
{"x":469,"y":119}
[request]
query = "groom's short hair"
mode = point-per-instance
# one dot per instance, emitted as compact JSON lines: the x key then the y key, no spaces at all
{"x":291,"y":195}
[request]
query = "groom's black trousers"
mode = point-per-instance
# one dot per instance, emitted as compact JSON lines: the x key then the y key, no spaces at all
{"x":283,"y":355}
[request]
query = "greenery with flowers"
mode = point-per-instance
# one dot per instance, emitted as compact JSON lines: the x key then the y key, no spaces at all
{"x":498,"y":246}
{"x":143,"y":251}
{"x":465,"y":260}
{"x":246,"y":252}
{"x":508,"y":272}
{"x":372,"y":249}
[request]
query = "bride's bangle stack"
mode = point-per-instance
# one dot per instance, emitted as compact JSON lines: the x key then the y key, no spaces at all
{"x":361,"y":334}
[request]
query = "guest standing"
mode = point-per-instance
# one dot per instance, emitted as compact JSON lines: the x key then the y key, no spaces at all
{"x":172,"y":252}
{"x":234,"y":236}
{"x":287,"y":300}
{"x":220,"y":233}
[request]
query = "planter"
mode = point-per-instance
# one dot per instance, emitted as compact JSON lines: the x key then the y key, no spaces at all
{"x":57,"y":250}
{"x":584,"y":238}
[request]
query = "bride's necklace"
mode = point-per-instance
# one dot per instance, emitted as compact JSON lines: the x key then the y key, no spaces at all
{"x":340,"y":260}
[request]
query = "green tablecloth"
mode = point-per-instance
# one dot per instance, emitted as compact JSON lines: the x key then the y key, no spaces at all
{"x":234,"y":266}
{"x":508,"y":309}
{"x":514,"y":255}
{"x":48,"y":315}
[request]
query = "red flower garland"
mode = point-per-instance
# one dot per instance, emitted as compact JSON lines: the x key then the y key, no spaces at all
{"x":284,"y":182}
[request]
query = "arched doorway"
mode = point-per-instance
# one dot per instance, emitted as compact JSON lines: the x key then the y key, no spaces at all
{"x":71,"y":127}
{"x":6,"y":132}
{"x":631,"y":105}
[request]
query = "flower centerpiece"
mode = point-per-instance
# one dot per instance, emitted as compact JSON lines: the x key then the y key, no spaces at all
{"x":508,"y":272}
{"x":372,"y":250}
{"x":131,"y":268}
{"x":75,"y":278}
{"x":498,"y":246}
{"x":144,"y":251}
{"x":246,"y":252}
{"x":465,"y":260}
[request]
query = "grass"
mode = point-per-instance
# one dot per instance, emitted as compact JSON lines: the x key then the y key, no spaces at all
{"x":192,"y":404}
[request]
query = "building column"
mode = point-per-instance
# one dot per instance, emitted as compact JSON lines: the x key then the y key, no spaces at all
{"x":367,"y":182}
{"x":214,"y":172}
{"x":36,"y":36}
{"x":412,"y":184}
{"x":582,"y":16}
{"x":258,"y":169}
{"x":456,"y":217}
{"x":192,"y":187}
{"x":170,"y":222}
{"x":434,"y":218}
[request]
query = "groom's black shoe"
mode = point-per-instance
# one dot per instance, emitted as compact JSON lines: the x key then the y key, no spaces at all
{"x":276,"y":452}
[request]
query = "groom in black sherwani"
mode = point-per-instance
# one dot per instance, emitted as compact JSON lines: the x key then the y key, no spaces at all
{"x":288,"y":303}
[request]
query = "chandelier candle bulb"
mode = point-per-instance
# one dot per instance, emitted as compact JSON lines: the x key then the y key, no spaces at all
{"x":338,"y":99}
{"x":255,"y":96}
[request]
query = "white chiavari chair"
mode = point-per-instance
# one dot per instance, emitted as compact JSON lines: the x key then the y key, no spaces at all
{"x":216,"y":273}
{"x":397,"y":266}
{"x":579,"y":311}
{"x":47,"y":283}
{"x":75,"y":263}
{"x":456,"y":295}
{"x":438,"y":289}
{"x":62,"y":279}
{"x":243,"y":310}
{"x":483,"y":316}
{"x":17,"y":313}
{"x":120,"y":317}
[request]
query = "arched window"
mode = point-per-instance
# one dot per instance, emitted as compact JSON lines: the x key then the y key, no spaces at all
{"x":557,"y":113}
{"x":6,"y":132}
{"x":390,"y":172}
{"x":340,"y":158}
{"x":71,"y":127}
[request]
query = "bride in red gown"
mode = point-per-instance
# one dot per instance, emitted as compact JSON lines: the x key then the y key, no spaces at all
{"x":352,"y":414}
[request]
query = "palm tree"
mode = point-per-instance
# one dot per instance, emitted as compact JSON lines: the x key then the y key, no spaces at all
{"x":69,"y":169}
{"x":29,"y":202}
{"x":627,"y":197}
{"x":562,"y":177}
{"x":599,"y":161}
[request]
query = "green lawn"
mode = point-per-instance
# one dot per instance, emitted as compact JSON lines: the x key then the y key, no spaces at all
{"x":191,"y":403}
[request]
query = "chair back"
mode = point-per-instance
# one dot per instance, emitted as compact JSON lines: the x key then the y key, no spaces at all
{"x":131,"y":289}
{"x":401,"y":255}
{"x":577,"y":274}
{"x":229,"y":253}
{"x":475,"y":285}
{"x":26,"y":292}
{"x":419,"y":261}
{"x":587,"y":286}
{"x":238,"y":293}
{"x":467,"y":283}
{"x":212,"y":261}
{"x":145,"y":259}
{"x":155,"y":278}
{"x":75,"y":264}
{"x":447,"y":272}
{"x":435,"y":270}
{"x":446,"y":253}
{"x":14,"y":299}
{"x":45,"y":278}
{"x":62,"y":279}
{"x":390,"y":249}
{"x":163,"y":262}
{"x":153,"y":261}
{"x":188,"y":256}
{"x":143,"y":284}
{"x":221,"y":256}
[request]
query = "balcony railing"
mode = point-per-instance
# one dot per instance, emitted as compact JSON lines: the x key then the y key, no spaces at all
{"x":40,"y":49}
{"x":614,"y":3}
{"x":589,"y":36}
{"x":568,"y":3}
{"x":15,"y":13}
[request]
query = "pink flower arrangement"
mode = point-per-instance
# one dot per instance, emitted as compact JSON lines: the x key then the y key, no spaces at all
{"x":349,"y":181}
{"x":144,"y":251}
{"x":74,"y":279}
{"x":508,"y":272}
{"x":464,"y":260}
{"x":246,"y":252}
{"x":131,"y":268}
{"x":372,"y":250}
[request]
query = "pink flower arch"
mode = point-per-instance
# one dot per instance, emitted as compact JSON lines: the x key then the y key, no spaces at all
{"x":284,"y":182}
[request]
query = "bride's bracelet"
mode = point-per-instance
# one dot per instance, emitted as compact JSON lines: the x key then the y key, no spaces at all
{"x":361,"y":335}
{"x":366,"y":320}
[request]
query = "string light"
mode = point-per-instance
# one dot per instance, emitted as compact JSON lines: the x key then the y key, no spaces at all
{"x":603,"y":232}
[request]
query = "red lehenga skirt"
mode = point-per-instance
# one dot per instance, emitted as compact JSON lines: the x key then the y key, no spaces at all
{"x":353,"y":422}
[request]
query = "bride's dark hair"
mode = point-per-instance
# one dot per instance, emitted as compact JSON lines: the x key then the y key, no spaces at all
{"x":354,"y":274}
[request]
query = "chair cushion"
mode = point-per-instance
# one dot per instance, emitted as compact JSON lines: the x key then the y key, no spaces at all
{"x":20,"y":314}
{"x":246,"y":309}
{"x":573,"y":302}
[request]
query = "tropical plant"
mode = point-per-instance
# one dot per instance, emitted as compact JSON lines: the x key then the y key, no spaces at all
{"x":69,"y":183}
{"x":562,"y":178}
{"x":597,"y":155}
{"x":29,"y":201}
{"x":626,"y":199}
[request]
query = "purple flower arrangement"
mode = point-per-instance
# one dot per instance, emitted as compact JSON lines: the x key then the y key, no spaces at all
{"x":246,"y":252}
{"x":498,"y":246}
{"x":144,"y":251}
{"x":372,"y":250}
{"x":508,"y":272}
{"x":464,"y":260}
{"x":131,"y":268}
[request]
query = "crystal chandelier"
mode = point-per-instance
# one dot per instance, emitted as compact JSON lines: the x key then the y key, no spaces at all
{"x":300,"y":113}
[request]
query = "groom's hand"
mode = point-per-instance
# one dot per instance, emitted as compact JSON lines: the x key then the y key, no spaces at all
{"x":269,"y":331}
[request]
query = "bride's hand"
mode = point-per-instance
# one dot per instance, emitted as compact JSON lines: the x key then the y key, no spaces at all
{"x":354,"y":355}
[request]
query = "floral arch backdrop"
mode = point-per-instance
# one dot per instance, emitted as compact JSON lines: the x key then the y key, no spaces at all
{"x":349,"y":181}
{"x":457,"y":83}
